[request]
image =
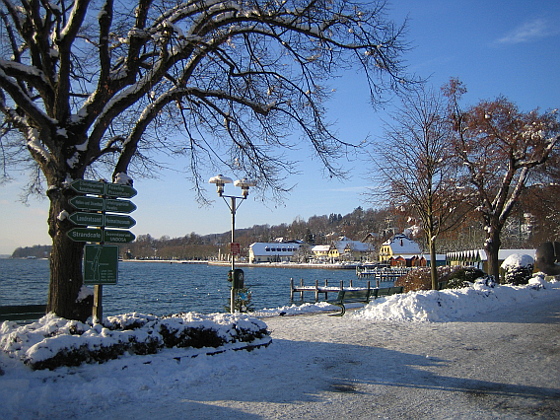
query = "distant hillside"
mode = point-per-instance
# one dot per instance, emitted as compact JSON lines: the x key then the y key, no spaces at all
{"x":37,"y":251}
{"x":377,"y":225}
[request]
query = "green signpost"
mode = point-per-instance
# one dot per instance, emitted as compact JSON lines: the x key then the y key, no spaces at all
{"x":101,"y":261}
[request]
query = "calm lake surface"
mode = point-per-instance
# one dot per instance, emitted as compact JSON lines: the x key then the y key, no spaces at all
{"x":164,"y":288}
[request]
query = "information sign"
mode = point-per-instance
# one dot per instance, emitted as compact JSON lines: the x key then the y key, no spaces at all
{"x":119,"y":222}
{"x":119,"y":236}
{"x":88,"y":203}
{"x":235,"y":248}
{"x":85,"y":235}
{"x":85,"y":186}
{"x":87,"y":219}
{"x":119,"y":190}
{"x":119,"y":206}
{"x":101,"y":264}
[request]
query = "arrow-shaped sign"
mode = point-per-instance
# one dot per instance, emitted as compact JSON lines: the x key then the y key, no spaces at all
{"x":119,"y":236}
{"x":100,"y":220}
{"x":85,"y":235}
{"x":87,"y":219}
{"x":119,"y":222}
{"x":85,"y":186}
{"x":88,"y":203}
{"x":119,"y":206}
{"x":102,"y":204}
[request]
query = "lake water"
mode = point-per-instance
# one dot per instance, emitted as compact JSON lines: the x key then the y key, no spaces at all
{"x":164,"y":288}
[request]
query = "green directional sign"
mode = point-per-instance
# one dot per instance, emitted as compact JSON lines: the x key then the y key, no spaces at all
{"x":119,"y":190}
{"x":119,"y":206}
{"x":119,"y":222}
{"x":85,"y":186}
{"x":88,"y":203}
{"x":85,"y":235}
{"x":87,"y":219}
{"x":119,"y":236}
{"x":101,"y":264}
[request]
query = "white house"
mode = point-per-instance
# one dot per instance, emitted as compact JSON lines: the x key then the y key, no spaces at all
{"x":272,"y":251}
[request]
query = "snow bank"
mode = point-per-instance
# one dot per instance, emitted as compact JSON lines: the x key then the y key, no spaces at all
{"x":453,"y":304}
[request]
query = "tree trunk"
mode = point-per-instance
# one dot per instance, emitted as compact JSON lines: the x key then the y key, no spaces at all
{"x":492,"y":248}
{"x":65,"y":263}
{"x":433,"y":264}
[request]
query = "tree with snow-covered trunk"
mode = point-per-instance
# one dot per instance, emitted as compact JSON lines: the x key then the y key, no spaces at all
{"x":92,"y":88}
{"x":499,"y":149}
{"x":415,"y":169}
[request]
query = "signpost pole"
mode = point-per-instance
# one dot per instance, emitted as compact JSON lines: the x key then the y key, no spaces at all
{"x":97,"y":312}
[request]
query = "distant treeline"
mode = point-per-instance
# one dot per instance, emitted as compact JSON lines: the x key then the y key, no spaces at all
{"x":373,"y":225}
{"x":37,"y":251}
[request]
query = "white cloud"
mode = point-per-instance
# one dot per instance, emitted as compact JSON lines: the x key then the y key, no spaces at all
{"x":528,"y":31}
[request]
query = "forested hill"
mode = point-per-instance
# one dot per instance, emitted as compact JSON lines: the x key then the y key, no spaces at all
{"x":317,"y":230}
{"x":377,"y":225}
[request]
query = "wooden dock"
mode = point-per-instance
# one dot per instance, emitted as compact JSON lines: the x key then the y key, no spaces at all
{"x":324,"y":289}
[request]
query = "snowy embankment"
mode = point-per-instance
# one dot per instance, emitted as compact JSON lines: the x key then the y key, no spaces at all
{"x":434,"y":306}
{"x":52,"y":342}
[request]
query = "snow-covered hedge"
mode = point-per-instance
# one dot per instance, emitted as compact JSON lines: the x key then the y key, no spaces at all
{"x":518,"y":269}
{"x":52,"y":341}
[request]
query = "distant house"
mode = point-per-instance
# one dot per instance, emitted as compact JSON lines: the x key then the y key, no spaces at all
{"x":272,"y":251}
{"x":321,"y":252}
{"x":401,"y":251}
{"x":343,"y":249}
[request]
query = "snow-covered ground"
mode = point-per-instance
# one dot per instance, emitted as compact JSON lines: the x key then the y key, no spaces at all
{"x":478,"y":352}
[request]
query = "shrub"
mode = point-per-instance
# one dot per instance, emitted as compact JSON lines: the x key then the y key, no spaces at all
{"x":462,"y":276}
{"x":456,"y":277}
{"x":517,"y":269}
{"x":52,"y":341}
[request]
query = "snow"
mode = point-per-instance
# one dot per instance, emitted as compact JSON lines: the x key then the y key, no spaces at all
{"x":476,"y":352}
{"x":518,"y":260}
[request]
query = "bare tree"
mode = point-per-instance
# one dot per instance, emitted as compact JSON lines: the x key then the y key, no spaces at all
{"x":499,"y":148}
{"x":88,"y":88}
{"x":416,"y":170}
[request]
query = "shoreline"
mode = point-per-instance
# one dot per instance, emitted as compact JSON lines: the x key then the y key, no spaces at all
{"x":246,"y":264}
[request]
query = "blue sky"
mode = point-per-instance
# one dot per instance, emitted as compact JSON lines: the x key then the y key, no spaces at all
{"x":509,"y":48}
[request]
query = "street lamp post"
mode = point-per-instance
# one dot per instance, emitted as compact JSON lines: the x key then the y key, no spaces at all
{"x":244,"y":184}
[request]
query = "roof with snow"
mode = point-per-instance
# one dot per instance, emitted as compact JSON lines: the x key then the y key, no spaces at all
{"x":357,"y":246}
{"x":480,"y":254}
{"x":401,"y":245}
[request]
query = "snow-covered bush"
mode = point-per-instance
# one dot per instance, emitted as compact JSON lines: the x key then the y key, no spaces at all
{"x":456,"y":276}
{"x":463,"y":276}
{"x":52,"y":341}
{"x":517,"y":269}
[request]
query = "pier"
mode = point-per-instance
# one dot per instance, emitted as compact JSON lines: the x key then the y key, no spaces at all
{"x":324,"y":289}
